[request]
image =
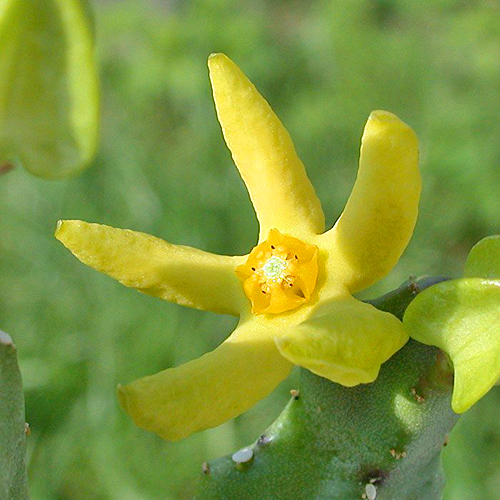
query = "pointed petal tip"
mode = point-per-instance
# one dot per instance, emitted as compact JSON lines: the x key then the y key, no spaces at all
{"x":129,"y":399}
{"x":460,"y":406}
{"x":466,"y":393}
{"x":381,"y":115}
{"x":469,"y":389}
{"x":472,"y":381}
{"x":214,"y":56}
{"x":58,"y":227}
{"x":62,"y":228}
{"x":382,"y":124}
{"x":218,"y":60}
{"x":381,"y":120}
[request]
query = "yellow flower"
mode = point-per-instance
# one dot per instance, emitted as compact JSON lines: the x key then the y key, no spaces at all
{"x":292,"y":293}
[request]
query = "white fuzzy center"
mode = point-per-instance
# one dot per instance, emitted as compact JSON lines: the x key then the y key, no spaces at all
{"x":274,"y":267}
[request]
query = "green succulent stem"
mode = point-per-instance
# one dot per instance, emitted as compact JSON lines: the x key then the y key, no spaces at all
{"x":375,"y":441}
{"x":13,"y":481}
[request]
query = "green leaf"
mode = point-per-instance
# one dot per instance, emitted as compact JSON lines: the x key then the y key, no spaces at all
{"x":484,"y":259}
{"x":49,"y":91}
{"x":12,"y":425}
{"x":462,"y":317}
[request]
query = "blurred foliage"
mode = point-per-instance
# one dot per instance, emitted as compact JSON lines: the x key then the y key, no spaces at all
{"x":49,"y":90}
{"x":163,"y":169}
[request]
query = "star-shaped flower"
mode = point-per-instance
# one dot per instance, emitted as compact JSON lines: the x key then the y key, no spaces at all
{"x":292,"y":293}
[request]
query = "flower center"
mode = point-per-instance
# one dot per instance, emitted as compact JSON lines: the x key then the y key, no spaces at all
{"x":280,"y":274}
{"x":274,"y":267}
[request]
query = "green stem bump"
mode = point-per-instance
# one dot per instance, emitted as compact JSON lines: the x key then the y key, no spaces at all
{"x":375,"y":441}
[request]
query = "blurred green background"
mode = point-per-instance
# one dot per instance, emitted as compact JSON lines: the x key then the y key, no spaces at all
{"x":163,"y":169}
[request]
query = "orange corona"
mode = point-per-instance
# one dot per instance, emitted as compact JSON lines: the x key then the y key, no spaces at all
{"x":280,"y":274}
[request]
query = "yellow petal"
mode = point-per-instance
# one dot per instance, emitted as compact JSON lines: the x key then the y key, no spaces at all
{"x":262,"y":149}
{"x":179,"y":274}
{"x":210,"y":390}
{"x":378,"y":220}
{"x":344,"y":340}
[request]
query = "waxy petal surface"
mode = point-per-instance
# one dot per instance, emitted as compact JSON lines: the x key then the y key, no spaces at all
{"x":281,"y":193}
{"x":179,"y":274}
{"x":210,"y":390}
{"x":344,"y":340}
{"x":297,"y":281}
{"x":462,"y":317}
{"x":378,"y":220}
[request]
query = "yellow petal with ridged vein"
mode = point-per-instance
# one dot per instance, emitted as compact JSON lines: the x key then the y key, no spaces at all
{"x":281,"y":193}
{"x":179,"y":274}
{"x":344,"y":340}
{"x":210,"y":390}
{"x":378,"y":220}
